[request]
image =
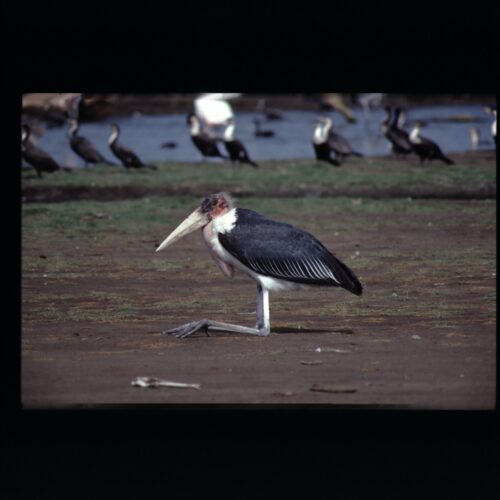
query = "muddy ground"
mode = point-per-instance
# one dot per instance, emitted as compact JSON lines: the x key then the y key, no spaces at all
{"x":96,"y":297}
{"x":423,"y":333}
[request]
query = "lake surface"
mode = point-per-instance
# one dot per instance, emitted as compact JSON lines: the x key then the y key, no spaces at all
{"x":144,"y":134}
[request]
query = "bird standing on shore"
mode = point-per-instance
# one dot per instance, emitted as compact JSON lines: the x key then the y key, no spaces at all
{"x":205,"y":144}
{"x":322,"y":150}
{"x":426,"y":149}
{"x":397,"y":136}
{"x":128,"y":158}
{"x":235,"y":148}
{"x":39,"y":159}
{"x":83,"y":147}
{"x":278,"y":256}
{"x":338,"y":144}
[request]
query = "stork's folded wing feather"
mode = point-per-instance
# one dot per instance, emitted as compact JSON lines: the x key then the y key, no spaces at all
{"x":285,"y":252}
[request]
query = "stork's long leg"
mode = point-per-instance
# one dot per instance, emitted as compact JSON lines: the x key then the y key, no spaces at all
{"x":262,"y":327}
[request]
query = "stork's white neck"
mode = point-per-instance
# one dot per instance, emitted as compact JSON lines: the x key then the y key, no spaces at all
{"x":113,"y":137}
{"x":225,"y":223}
{"x":229,"y":132}
{"x":221,"y":224}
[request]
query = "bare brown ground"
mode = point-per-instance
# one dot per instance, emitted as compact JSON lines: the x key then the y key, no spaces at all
{"x":422,"y":334}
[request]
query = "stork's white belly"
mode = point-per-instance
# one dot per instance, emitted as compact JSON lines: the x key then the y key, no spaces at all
{"x":227,"y":262}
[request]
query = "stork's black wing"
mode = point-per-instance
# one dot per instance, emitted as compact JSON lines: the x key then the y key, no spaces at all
{"x":285,"y":252}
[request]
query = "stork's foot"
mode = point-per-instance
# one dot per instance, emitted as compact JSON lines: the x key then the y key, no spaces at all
{"x":206,"y":324}
{"x":189,"y":328}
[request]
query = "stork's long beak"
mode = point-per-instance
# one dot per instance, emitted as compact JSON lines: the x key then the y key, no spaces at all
{"x":195,"y":221}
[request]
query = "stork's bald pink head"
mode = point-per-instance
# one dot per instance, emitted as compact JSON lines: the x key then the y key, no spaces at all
{"x":211,"y":207}
{"x":217,"y":204}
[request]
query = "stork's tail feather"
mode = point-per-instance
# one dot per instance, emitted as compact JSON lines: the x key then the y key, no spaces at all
{"x":253,"y":164}
{"x":356,"y":153}
{"x":447,"y":160}
{"x":347,"y":279}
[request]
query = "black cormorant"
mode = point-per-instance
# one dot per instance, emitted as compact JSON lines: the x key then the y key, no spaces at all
{"x":234,"y":147}
{"x":169,"y":145}
{"x":83,"y":147}
{"x":39,"y":159}
{"x":205,"y":144}
{"x":338,"y":144}
{"x":128,"y":158}
{"x":426,"y":149}
{"x":262,"y":133}
{"x":320,"y":144}
{"x":399,"y":138}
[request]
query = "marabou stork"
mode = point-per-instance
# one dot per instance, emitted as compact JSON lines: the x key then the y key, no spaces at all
{"x":83,"y":147}
{"x":320,"y":144}
{"x":205,"y":144}
{"x":128,"y":158}
{"x":426,"y":149}
{"x":397,"y":136}
{"x":39,"y":159}
{"x":337,"y":143}
{"x":276,"y":255}
{"x":235,"y":148}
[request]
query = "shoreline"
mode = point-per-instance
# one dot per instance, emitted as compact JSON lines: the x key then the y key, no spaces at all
{"x":52,"y":193}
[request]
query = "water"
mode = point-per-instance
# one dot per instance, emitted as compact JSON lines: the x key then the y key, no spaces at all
{"x":293,"y":135}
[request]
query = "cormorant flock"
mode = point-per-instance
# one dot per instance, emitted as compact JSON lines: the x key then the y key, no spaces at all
{"x":329,"y":145}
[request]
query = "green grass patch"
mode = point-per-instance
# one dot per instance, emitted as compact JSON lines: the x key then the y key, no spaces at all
{"x":276,"y":175}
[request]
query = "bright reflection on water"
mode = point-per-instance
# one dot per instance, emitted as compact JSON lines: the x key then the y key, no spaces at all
{"x":293,"y":135}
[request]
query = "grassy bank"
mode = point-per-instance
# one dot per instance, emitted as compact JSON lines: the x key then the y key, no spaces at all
{"x":473,"y":176}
